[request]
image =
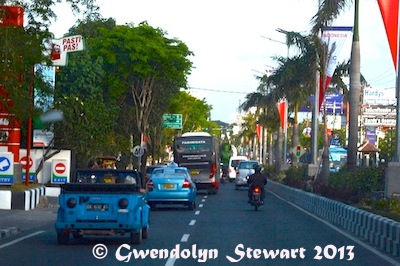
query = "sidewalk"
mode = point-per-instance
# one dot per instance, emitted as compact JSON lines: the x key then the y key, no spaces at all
{"x":16,"y":221}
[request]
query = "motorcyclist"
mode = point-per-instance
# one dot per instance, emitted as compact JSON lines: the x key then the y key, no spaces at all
{"x":257,"y":179}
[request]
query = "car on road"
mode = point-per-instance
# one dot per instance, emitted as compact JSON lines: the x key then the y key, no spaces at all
{"x":150,"y":168}
{"x":233,"y":164}
{"x":244,"y":169}
{"x":102,"y":202}
{"x":171,"y":185}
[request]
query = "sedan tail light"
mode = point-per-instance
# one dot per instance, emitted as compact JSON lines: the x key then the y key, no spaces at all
{"x":186,"y":184}
{"x":150,"y":185}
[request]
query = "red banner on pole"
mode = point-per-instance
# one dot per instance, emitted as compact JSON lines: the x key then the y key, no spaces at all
{"x":282,"y":109}
{"x":390,"y":15}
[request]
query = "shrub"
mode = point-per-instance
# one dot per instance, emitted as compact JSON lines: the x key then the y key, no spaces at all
{"x":296,"y":177}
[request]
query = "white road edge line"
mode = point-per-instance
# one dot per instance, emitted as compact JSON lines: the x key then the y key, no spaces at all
{"x":342,"y":232}
{"x":20,"y":239}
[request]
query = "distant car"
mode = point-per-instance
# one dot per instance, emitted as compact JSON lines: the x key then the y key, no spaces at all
{"x":171,"y":185}
{"x":102,"y":202}
{"x":244,"y":169}
{"x":233,"y":164}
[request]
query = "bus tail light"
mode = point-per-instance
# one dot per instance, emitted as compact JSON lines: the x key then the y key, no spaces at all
{"x":213,"y":168}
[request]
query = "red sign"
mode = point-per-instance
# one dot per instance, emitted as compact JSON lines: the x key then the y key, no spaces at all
{"x":23,"y":162}
{"x":11,"y":16}
{"x":60,"y":168}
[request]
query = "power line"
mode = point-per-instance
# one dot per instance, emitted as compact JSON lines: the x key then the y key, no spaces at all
{"x":215,"y":90}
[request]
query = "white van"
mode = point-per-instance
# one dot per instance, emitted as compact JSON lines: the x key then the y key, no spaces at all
{"x":233,"y":163}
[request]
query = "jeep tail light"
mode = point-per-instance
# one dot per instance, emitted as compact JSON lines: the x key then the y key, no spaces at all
{"x":150,"y":185}
{"x":71,"y":203}
{"x":123,"y":203}
{"x":186,"y":184}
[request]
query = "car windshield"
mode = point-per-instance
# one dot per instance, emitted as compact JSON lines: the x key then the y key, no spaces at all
{"x":247,"y":165}
{"x":235,"y":163}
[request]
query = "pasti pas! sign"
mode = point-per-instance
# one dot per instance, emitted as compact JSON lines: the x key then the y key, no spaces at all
{"x":61,"y":47}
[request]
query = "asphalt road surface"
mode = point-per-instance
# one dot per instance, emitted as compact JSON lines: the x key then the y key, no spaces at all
{"x":223,"y":230}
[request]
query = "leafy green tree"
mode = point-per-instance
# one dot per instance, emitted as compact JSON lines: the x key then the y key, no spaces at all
{"x":141,"y":60}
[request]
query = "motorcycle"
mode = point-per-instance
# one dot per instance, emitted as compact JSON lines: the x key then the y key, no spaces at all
{"x":256,"y":200}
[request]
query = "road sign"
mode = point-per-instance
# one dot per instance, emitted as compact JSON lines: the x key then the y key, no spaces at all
{"x":60,"y":168}
{"x":298,"y":151}
{"x":23,"y":162}
{"x":138,"y":151}
{"x":60,"y":171}
{"x":172,"y":121}
{"x":4,"y":164}
{"x":6,"y":168}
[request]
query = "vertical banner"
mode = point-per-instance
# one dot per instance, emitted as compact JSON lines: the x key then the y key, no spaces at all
{"x":370,"y":134}
{"x":334,"y":38}
{"x":59,"y":171}
{"x":258,"y":130}
{"x":6,"y":168}
{"x":390,"y":16}
{"x":282,"y":109}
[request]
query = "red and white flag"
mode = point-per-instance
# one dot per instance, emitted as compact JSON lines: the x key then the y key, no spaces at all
{"x":335,"y":38}
{"x":390,"y":15}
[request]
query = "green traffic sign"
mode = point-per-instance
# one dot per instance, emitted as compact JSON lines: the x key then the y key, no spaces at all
{"x":172,"y":121}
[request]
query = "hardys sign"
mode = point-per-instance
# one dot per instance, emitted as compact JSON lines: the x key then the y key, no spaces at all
{"x":61,"y":47}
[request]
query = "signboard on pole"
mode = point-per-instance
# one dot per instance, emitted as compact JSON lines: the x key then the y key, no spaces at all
{"x":6,"y":168}
{"x":172,"y":121}
{"x":28,"y":167}
{"x":59,"y":171}
{"x":61,"y":47}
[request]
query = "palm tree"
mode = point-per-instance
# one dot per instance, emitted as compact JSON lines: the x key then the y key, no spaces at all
{"x":329,"y":10}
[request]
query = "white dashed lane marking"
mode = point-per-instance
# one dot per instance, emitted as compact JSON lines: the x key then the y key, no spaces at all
{"x":185,"y":238}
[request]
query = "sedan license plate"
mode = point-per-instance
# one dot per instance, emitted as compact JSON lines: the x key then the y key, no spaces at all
{"x":168,"y":186}
{"x":97,"y":207}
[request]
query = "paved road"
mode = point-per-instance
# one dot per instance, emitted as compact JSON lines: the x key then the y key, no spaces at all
{"x":223,"y":230}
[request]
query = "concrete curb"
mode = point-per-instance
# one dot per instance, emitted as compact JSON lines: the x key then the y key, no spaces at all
{"x":378,"y":231}
{"x":21,"y":200}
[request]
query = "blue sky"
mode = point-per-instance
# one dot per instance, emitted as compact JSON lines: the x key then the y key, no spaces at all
{"x":226,"y":38}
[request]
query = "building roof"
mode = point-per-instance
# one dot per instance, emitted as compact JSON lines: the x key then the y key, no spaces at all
{"x":368,"y":148}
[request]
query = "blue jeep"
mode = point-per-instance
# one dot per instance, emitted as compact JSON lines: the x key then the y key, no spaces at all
{"x":102,"y":202}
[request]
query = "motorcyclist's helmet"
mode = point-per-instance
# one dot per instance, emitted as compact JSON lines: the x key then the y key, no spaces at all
{"x":257,"y":168}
